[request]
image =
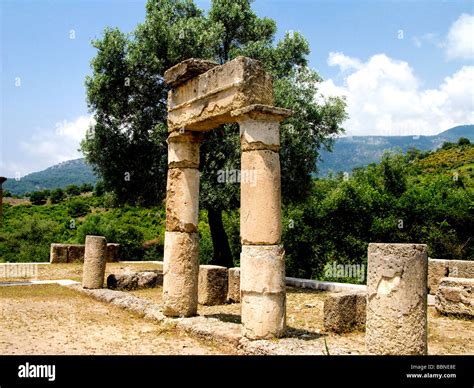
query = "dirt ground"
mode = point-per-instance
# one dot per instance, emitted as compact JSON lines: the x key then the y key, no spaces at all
{"x":81,"y":325}
{"x":51,"y":319}
{"x":446,"y":335}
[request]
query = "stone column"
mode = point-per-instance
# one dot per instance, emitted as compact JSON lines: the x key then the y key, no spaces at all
{"x":94,"y":262}
{"x":397,"y":299}
{"x":262,"y":259}
{"x":181,"y":261}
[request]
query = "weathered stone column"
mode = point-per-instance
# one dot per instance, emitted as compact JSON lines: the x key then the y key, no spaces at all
{"x":181,"y":261}
{"x":397,"y":299}
{"x":262,"y":259}
{"x":94,"y":262}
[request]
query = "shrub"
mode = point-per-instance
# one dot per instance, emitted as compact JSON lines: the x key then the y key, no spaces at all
{"x":128,"y":236}
{"x":57,"y":195}
{"x":78,"y":208}
{"x":99,"y":189}
{"x":29,"y":239}
{"x":73,"y":190}
{"x":38,"y":198}
{"x":86,"y":188}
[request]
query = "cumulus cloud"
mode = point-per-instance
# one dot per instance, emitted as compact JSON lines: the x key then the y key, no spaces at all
{"x":384,"y":97}
{"x":459,"y":42}
{"x":48,"y":147}
{"x":343,"y":61}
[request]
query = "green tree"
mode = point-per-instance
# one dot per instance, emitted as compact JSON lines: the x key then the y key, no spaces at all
{"x":126,"y":92}
{"x":29,"y":239}
{"x":86,"y":188}
{"x":57,"y":195}
{"x":463,"y":141}
{"x":99,"y":189}
{"x":73,"y":190}
{"x":38,"y":198}
{"x":77,"y":207}
{"x":447,"y":145}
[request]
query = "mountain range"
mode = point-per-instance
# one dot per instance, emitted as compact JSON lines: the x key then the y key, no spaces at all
{"x":71,"y":172}
{"x":359,"y":151}
{"x":348,"y":152}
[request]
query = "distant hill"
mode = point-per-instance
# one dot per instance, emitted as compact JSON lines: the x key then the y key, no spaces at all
{"x":358,"y":151}
{"x":74,"y":172}
{"x":349,"y":152}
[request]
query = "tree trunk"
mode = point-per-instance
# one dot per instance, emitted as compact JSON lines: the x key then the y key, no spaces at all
{"x":222,"y":255}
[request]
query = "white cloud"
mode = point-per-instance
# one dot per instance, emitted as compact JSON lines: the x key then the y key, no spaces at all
{"x":48,"y":147}
{"x":344,"y":62}
{"x":459,"y":42}
{"x":384,"y":98}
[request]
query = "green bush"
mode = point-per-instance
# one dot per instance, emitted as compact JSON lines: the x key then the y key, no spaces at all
{"x":73,"y":190}
{"x":57,"y":195}
{"x":38,"y":198}
{"x":28,"y":240}
{"x":78,"y":208}
{"x":129,"y":237}
{"x":86,"y":188}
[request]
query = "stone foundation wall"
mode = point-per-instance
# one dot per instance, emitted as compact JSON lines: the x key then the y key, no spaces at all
{"x":74,"y":253}
{"x":455,"y":296}
{"x":439,"y":269}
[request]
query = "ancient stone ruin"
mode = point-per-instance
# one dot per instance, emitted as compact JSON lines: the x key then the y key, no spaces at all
{"x":397,"y":299}
{"x":94,"y":262}
{"x":204,"y":96}
{"x":74,"y":253}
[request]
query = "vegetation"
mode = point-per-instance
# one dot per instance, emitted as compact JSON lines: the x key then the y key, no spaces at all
{"x":412,"y":197}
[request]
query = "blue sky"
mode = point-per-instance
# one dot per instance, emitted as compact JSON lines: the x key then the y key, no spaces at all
{"x":406,"y":67}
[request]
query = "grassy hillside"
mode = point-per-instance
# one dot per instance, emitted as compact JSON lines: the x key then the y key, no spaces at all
{"x":459,"y":159}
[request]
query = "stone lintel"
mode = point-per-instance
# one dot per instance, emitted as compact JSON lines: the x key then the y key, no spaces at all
{"x":184,"y":71}
{"x":261,"y":112}
{"x":206,"y":101}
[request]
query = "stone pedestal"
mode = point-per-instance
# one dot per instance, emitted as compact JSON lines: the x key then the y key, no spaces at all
{"x":262,"y":259}
{"x":94,"y":262}
{"x":181,"y":255}
{"x":212,"y":285}
{"x":345,"y":312}
{"x":397,"y":299}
